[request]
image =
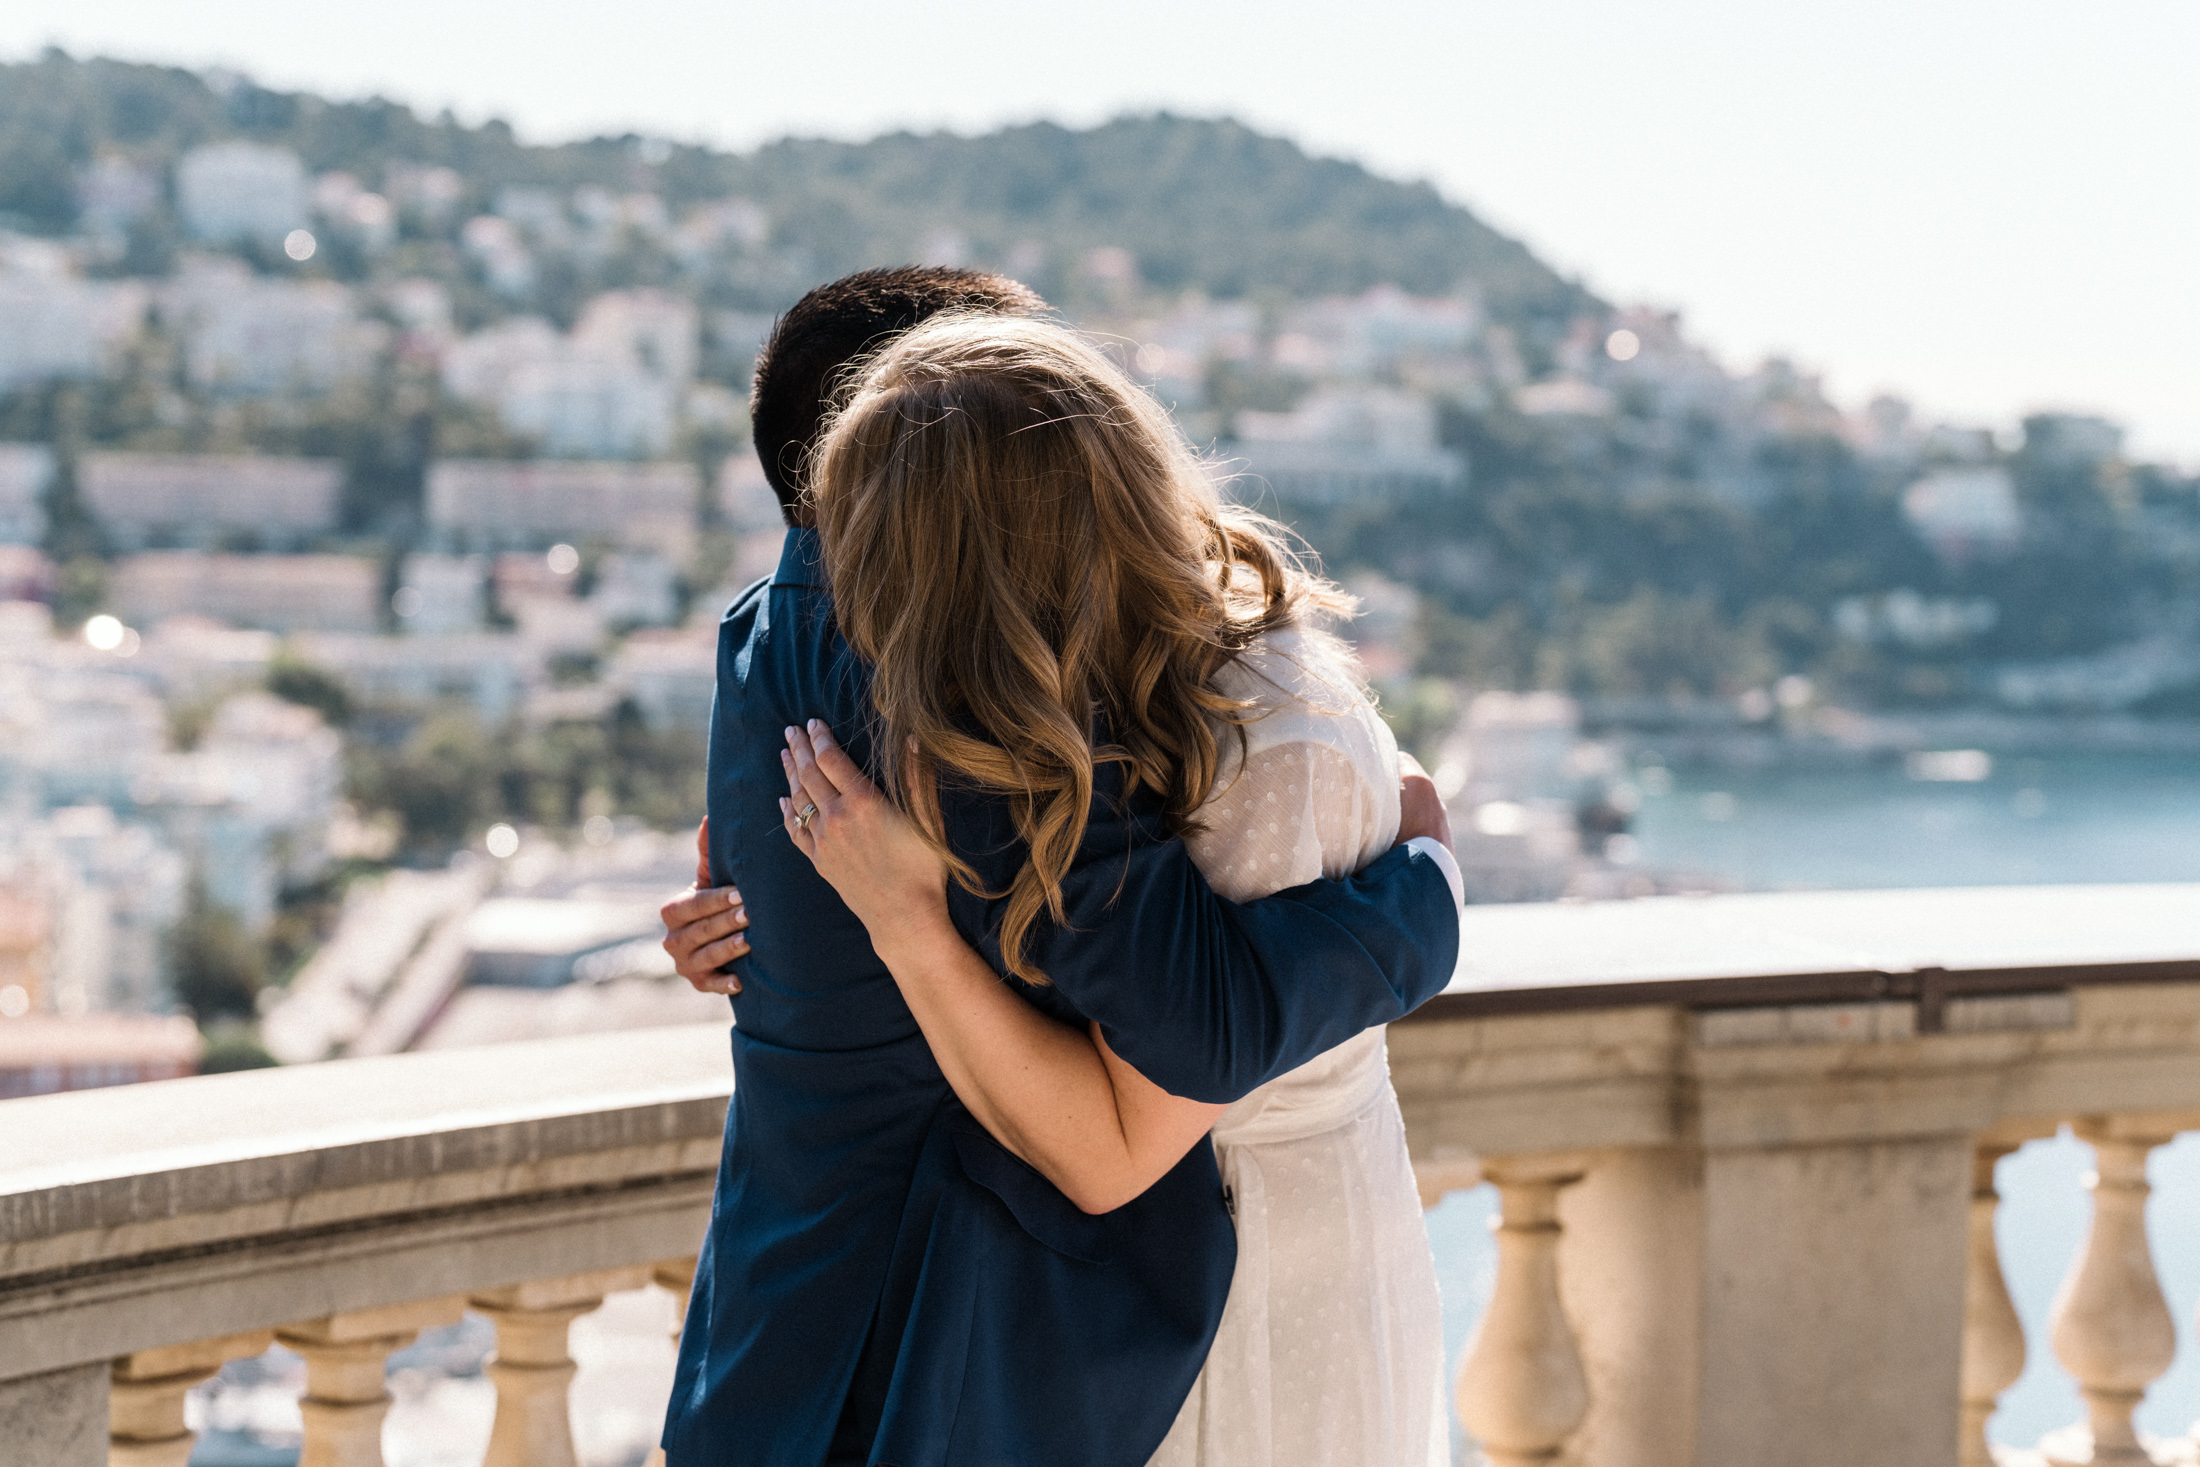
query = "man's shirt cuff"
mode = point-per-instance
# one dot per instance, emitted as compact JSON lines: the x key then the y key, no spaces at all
{"x":1437,"y":851}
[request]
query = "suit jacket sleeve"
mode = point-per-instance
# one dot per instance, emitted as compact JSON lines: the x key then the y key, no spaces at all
{"x":1208,"y":998}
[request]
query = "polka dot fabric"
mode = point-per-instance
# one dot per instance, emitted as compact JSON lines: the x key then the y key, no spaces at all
{"x":1331,"y":1347}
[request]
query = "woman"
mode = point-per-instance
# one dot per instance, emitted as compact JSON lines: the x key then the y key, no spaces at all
{"x":1043,"y":581}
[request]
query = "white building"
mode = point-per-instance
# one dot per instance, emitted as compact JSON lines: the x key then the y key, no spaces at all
{"x":196,"y":657}
{"x":651,"y":329}
{"x":1510,"y":776}
{"x":490,"y":674}
{"x":635,"y":588}
{"x":60,"y":326}
{"x":72,"y":730}
{"x":493,"y":504}
{"x":1904,"y":618}
{"x":582,"y":404}
{"x":1965,"y":511}
{"x":238,"y":190}
{"x":346,"y":206}
{"x":670,"y":675}
{"x":503,"y":255}
{"x":1346,"y":443}
{"x":109,"y":891}
{"x":149,"y":499}
{"x":282,"y":593}
{"x":26,"y":469}
{"x":1377,"y":331}
{"x":113,"y":192}
{"x":478,"y":368}
{"x":244,"y":333}
{"x":251,"y":805}
{"x":610,"y":390}
{"x":441,"y":594}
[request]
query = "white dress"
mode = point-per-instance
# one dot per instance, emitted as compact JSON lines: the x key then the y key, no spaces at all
{"x":1331,"y":1347}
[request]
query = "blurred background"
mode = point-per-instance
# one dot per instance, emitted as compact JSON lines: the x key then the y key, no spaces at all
{"x":1766,"y":448}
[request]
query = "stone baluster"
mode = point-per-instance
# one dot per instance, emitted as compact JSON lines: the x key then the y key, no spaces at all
{"x":2112,"y":1327}
{"x":1993,"y":1337}
{"x":145,"y":1425}
{"x":1438,"y":1177}
{"x":531,"y":1369}
{"x":346,"y":1393}
{"x":676,"y":1277}
{"x":1522,"y":1391}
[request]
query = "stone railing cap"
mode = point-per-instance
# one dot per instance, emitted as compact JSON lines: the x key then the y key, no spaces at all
{"x":1801,"y":946}
{"x":169,"y":1126}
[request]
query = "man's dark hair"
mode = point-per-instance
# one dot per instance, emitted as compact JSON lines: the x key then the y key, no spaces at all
{"x":831,"y":327}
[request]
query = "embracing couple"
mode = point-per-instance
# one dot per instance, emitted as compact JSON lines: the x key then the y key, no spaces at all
{"x":1063,"y":876}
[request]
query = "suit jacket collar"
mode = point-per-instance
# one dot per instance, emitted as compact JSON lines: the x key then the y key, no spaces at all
{"x":801,"y":561}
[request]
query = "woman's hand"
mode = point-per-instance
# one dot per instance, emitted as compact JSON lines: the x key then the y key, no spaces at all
{"x":1053,"y":1095}
{"x":867,"y":849}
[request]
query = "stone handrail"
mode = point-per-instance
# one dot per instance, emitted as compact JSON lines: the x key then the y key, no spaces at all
{"x":149,"y":1233}
{"x":1744,"y":1149}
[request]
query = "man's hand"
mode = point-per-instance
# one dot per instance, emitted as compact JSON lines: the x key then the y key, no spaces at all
{"x":1420,"y":809}
{"x":704,"y":926}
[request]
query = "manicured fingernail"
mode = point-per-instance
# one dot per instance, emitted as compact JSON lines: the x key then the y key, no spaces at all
{"x":733,"y":897}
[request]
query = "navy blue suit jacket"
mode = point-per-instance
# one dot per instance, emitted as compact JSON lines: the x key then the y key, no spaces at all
{"x":885,"y":1284}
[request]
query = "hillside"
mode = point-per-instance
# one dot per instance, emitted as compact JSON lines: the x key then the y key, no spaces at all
{"x":1620,"y":513}
{"x":1202,"y":203}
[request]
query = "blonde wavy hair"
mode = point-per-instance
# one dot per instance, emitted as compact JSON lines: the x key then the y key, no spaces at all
{"x":1044,"y":579}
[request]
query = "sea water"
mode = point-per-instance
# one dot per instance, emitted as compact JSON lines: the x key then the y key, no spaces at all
{"x":2011,"y":820}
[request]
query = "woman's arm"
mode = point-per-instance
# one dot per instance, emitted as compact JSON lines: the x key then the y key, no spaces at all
{"x":1057,"y":1097}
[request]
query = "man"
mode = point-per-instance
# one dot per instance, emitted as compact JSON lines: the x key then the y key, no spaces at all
{"x":882,"y":1282}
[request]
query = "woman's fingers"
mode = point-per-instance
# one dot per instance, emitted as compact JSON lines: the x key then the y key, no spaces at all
{"x":833,"y":762}
{"x":804,"y":842}
{"x":815,"y":783}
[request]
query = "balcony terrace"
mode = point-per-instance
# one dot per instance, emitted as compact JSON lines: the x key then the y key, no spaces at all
{"x":1744,"y":1148}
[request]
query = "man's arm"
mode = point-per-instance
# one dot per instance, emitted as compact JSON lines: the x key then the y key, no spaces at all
{"x":1208,"y":998}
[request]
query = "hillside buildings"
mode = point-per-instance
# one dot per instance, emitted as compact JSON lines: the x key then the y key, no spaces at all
{"x":1965,"y":511}
{"x":248,"y":334}
{"x":106,"y":827}
{"x":533,"y":504}
{"x":206,"y":500}
{"x":611,"y":389}
{"x":1363,"y":443}
{"x":282,"y":593}
{"x":55,"y":325}
{"x":235,"y":191}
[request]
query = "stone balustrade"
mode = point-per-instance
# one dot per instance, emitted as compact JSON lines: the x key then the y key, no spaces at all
{"x":150,"y":1233}
{"x":1743,"y":1149}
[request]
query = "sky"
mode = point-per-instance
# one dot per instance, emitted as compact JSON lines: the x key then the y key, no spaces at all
{"x":1989,"y":206}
